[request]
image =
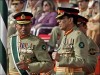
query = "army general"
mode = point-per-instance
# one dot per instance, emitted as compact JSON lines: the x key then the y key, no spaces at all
{"x":27,"y":53}
{"x":73,"y":51}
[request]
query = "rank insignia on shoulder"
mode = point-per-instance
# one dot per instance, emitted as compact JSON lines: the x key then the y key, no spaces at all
{"x":81,"y":45}
{"x":92,"y":51}
{"x":44,"y":47}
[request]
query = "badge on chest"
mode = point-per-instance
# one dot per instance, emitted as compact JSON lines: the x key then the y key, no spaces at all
{"x":26,"y":47}
{"x":68,"y":44}
{"x":68,"y":48}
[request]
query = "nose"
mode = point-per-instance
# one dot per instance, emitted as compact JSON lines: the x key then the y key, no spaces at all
{"x":23,"y":26}
{"x":58,"y":21}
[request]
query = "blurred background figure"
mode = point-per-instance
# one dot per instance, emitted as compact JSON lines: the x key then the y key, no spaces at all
{"x":34,"y":6}
{"x":47,"y":18}
{"x":90,"y":3}
{"x":65,"y":3}
{"x":16,"y":6}
{"x":56,"y":37}
{"x":62,"y":3}
{"x":73,"y":3}
{"x":83,"y":7}
{"x":94,"y":23}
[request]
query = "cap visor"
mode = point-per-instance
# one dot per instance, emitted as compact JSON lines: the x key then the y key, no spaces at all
{"x":23,"y":22}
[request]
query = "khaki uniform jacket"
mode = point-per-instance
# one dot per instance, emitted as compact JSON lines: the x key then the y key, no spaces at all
{"x":89,"y":67}
{"x":34,"y":49}
{"x":73,"y":53}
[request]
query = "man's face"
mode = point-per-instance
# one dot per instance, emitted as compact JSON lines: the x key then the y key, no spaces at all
{"x":82,"y":4}
{"x":17,"y":6}
{"x":83,"y":27}
{"x":32,"y":2}
{"x":23,"y":29}
{"x":63,"y":23}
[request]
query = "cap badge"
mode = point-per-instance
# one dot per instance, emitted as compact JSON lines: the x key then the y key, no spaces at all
{"x":22,"y":16}
{"x":62,"y":13}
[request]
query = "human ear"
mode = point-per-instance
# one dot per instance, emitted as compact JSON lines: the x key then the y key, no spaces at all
{"x":70,"y":20}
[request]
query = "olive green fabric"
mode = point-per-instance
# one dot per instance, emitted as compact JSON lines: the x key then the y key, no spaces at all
{"x":92,"y":57}
{"x":74,"y":51}
{"x":34,"y":49}
{"x":56,"y":36}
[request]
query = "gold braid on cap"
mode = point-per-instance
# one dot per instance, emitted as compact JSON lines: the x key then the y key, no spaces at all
{"x":60,"y":13}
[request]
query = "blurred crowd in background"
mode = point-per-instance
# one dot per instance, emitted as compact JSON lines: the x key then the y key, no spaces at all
{"x":44,"y":14}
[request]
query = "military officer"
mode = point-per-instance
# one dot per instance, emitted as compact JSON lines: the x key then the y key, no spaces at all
{"x":56,"y":33}
{"x":89,"y":67}
{"x":73,"y":51}
{"x":27,"y":53}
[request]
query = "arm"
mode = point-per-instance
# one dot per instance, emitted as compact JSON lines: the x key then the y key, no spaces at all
{"x":92,"y":57}
{"x":44,"y":63}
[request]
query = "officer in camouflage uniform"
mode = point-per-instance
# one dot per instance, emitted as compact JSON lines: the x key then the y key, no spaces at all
{"x":89,"y":67}
{"x":73,"y":51}
{"x":27,"y":53}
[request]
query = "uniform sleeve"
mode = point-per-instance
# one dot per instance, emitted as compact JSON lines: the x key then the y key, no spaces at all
{"x":78,"y":59}
{"x":44,"y":63}
{"x":92,"y":57}
{"x":89,"y":67}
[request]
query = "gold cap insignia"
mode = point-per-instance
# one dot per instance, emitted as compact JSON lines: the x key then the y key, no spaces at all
{"x":60,"y":11}
{"x":61,"y":14}
{"x":22,"y":16}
